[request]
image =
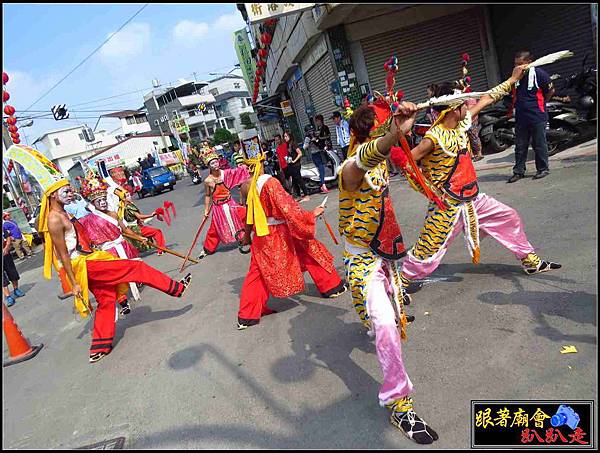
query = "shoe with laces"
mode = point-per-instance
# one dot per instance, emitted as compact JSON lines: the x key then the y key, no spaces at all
{"x":125,"y":308}
{"x":18,"y":293}
{"x":97,"y":356}
{"x":414,"y":427}
{"x":10,"y":301}
{"x":202,"y":255}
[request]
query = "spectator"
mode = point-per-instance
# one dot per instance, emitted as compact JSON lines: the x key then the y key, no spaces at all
{"x":314,"y":143}
{"x":9,"y":271}
{"x":282,"y":154}
{"x":342,"y":130}
{"x":151,"y":160}
{"x":529,"y":100}
{"x":293,"y":167}
{"x":237,"y":153}
{"x":430,"y":114}
{"x":17,"y":239}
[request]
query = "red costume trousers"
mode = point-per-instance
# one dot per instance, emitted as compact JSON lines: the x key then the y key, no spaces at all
{"x":255,"y":293}
{"x":103,"y":278}
{"x":155,"y":234}
{"x":212,"y":240}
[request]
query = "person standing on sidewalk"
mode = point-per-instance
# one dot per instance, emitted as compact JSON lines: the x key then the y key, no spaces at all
{"x":529,"y":101}
{"x":282,"y":154}
{"x":293,"y":168}
{"x":322,"y":140}
{"x":9,"y":271}
{"x":342,"y":131}
{"x":19,"y":243}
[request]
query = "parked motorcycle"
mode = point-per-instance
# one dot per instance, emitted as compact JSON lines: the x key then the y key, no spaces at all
{"x":194,"y":173}
{"x":497,"y":129}
{"x":310,"y":173}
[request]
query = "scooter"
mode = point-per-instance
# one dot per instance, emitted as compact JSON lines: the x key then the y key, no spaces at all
{"x":497,"y":129}
{"x":310,"y":172}
{"x":194,"y":174}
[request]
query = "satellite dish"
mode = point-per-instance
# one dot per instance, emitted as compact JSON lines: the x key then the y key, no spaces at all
{"x":155,"y":83}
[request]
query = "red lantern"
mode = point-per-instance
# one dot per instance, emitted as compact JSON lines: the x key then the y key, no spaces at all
{"x":262,"y":53}
{"x":9,"y":109}
{"x":11,"y":120}
{"x":5,"y":96}
{"x":14,"y":135}
{"x":16,"y":141}
{"x":266,"y":38}
{"x":4,"y":78}
{"x":261,"y":63}
{"x":13,"y":128}
{"x":259,"y":72}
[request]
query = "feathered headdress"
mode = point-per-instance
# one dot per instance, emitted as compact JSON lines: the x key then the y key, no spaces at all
{"x":50,"y":179}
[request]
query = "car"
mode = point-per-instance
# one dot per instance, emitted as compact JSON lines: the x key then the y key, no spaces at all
{"x":155,"y":180}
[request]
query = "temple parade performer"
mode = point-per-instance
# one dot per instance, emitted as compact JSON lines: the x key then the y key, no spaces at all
{"x":373,"y":242}
{"x":134,"y":219}
{"x":99,"y":272}
{"x":283,"y":247}
{"x":445,"y":160}
{"x":227,"y":215}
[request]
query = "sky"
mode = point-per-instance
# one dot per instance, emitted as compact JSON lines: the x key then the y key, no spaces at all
{"x":43,"y":42}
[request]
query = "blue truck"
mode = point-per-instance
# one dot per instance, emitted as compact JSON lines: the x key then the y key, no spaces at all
{"x":155,"y":180}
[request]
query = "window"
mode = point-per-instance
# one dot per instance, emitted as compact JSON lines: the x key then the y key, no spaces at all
{"x":56,"y":142}
{"x":214,"y":92}
{"x":130,"y":120}
{"x":140,"y":119}
{"x":243,"y":101}
{"x":230,"y":123}
{"x":249,"y":101}
{"x":237,"y":86}
{"x":81,"y":137}
{"x":192,"y":112}
{"x":175,"y":114}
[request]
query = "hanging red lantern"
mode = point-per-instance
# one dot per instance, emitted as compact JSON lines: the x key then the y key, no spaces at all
{"x":13,"y":128}
{"x":14,"y":135}
{"x":270,"y":22}
{"x":266,"y":38}
{"x":9,"y":110}
{"x":259,"y":72}
{"x":16,"y":141}
{"x":4,"y":78}
{"x":5,"y":96}
{"x":262,"y":53}
{"x":11,"y":120}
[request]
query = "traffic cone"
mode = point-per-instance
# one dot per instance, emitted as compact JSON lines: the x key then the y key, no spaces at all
{"x":18,"y":347}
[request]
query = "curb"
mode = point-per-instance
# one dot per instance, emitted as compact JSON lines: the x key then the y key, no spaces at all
{"x":557,"y":157}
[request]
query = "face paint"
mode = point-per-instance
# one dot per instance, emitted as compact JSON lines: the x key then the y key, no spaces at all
{"x":65,"y":195}
{"x":214,"y":164}
{"x":101,"y":204}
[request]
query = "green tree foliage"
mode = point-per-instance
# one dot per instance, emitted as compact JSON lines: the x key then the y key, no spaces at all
{"x":222,"y":136}
{"x":246,"y":121}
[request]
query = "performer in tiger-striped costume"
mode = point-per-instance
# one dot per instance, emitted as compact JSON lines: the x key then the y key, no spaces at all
{"x":373,"y":242}
{"x":445,"y":159}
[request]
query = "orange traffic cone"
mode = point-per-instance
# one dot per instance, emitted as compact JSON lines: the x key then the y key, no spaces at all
{"x":18,"y":347}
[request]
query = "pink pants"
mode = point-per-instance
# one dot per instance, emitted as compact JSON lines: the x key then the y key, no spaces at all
{"x":496,"y":219}
{"x":379,"y":295}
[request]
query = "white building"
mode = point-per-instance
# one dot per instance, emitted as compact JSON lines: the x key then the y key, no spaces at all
{"x":64,"y":146}
{"x":231,"y":100}
{"x":132,"y":121}
{"x":127,"y":152}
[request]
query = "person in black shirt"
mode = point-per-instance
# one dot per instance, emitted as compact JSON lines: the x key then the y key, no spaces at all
{"x":531,"y":118}
{"x":294,"y":154}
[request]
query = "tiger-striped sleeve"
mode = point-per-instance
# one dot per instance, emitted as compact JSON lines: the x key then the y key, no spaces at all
{"x":368,"y":156}
{"x":499,"y":91}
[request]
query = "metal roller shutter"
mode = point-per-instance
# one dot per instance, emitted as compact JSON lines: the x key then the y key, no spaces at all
{"x":299,"y":97}
{"x":429,"y":52}
{"x":547,"y":29}
{"x":318,"y":79}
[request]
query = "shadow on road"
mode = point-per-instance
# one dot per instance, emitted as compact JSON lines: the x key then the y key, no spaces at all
{"x":578,"y":306}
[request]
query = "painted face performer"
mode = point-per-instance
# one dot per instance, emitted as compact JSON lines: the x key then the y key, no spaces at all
{"x":445,"y":160}
{"x":373,"y":242}
{"x":99,"y":272}
{"x":227,"y":215}
{"x":283,"y":247}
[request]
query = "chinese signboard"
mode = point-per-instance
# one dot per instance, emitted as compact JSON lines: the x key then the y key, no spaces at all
{"x":287,"y":108}
{"x":168,"y":159}
{"x":559,"y":424}
{"x":261,"y":11}
{"x":180,"y":126}
{"x":244,"y":53}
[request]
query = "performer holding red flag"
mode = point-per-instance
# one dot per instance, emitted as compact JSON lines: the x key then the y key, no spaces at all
{"x":283,"y":247}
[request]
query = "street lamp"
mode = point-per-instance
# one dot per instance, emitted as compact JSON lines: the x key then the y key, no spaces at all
{"x":235,"y":67}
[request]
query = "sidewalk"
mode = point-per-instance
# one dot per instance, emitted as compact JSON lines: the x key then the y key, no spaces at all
{"x":507,"y":158}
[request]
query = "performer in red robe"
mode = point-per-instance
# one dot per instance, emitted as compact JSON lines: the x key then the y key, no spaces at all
{"x":280,"y":257}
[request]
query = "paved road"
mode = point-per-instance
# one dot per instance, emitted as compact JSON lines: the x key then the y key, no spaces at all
{"x":182,"y":376}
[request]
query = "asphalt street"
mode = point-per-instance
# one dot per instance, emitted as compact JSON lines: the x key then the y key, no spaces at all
{"x":182,"y":376}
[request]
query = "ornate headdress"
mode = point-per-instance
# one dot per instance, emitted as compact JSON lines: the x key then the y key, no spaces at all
{"x":50,"y":179}
{"x":253,"y":158}
{"x":210,"y":155}
{"x":93,"y":188}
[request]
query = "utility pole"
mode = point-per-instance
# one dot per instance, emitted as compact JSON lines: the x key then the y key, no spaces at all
{"x":7,"y":144}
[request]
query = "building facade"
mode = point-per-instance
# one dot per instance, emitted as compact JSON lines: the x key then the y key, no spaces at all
{"x":320,"y":56}
{"x":65,"y":146}
{"x":132,"y":121}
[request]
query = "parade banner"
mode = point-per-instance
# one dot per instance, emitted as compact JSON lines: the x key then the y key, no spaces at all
{"x":258,"y":12}
{"x":168,"y":159}
{"x":243,"y":50}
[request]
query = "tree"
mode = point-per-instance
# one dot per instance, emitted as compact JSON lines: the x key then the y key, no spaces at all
{"x":246,"y":120}
{"x":222,"y":136}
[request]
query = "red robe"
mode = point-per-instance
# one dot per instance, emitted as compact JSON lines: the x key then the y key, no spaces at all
{"x":281,"y":254}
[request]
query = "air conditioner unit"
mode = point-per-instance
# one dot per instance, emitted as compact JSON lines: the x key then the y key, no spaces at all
{"x":88,"y":134}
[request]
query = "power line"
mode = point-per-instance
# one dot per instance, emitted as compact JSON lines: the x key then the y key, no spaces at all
{"x":86,"y":58}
